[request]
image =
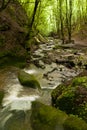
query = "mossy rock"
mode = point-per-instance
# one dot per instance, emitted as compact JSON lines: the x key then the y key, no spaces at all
{"x":57,"y":92}
{"x":28,"y":80}
{"x":46,"y":117}
{"x":79,"y":81}
{"x":1,"y":96}
{"x":74,"y":123}
{"x":73,"y":98}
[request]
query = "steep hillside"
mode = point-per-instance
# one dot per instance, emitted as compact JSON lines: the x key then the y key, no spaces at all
{"x":13,"y":30}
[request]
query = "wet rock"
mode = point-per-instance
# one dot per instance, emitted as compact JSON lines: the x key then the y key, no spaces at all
{"x":70,"y":64}
{"x":66,"y":46}
{"x":28,"y":80}
{"x":61,"y":61}
{"x":41,"y":64}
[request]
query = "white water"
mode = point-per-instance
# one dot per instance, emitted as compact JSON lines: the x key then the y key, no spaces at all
{"x":20,"y":98}
{"x":23,"y":103}
{"x":12,"y":98}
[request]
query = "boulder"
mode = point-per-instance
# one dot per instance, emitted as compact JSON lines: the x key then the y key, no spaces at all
{"x":45,"y":117}
{"x":28,"y":80}
{"x":72,"y":98}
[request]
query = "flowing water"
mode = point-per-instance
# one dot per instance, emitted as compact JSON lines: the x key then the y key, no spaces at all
{"x":18,"y":99}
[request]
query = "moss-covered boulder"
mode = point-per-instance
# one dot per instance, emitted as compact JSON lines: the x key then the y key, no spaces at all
{"x":72,"y":98}
{"x":28,"y":80}
{"x":46,"y":117}
{"x":74,"y":123}
{"x":1,"y":96}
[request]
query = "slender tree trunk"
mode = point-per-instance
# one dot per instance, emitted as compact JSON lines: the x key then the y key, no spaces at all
{"x":70,"y":20}
{"x":33,"y":18}
{"x":61,"y":20}
{"x":67,"y":20}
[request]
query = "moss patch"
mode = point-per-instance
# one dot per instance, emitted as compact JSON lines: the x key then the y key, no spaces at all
{"x":12,"y":61}
{"x":28,"y":80}
{"x":72,"y":98}
{"x":46,"y":117}
{"x":74,"y":123}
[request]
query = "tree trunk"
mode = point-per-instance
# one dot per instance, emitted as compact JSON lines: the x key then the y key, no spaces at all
{"x":61,"y":20}
{"x":33,"y":18}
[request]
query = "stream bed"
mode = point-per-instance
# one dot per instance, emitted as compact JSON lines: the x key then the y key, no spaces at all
{"x":18,"y":99}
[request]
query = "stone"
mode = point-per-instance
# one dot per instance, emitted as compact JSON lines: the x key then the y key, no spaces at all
{"x":72,"y":97}
{"x":28,"y":80}
{"x":45,"y":117}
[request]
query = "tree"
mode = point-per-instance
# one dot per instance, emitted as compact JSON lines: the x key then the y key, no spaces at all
{"x":70,"y":21}
{"x":32,"y":18}
{"x":61,"y":19}
{"x":69,"y":18}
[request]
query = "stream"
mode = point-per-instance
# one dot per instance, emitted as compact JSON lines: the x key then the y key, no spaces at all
{"x":18,"y":99}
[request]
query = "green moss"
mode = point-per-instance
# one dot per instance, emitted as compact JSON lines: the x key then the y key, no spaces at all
{"x":65,"y":101}
{"x":46,"y":117}
{"x":28,"y":80}
{"x":80,"y":81}
{"x":57,"y":92}
{"x":12,"y":61}
{"x":1,"y":96}
{"x":72,"y":98}
{"x":74,"y":123}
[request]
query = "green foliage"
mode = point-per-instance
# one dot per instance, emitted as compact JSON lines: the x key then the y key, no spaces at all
{"x":28,"y":80}
{"x":47,"y":18}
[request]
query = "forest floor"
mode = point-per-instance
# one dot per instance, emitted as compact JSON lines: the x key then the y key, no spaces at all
{"x":81,"y":37}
